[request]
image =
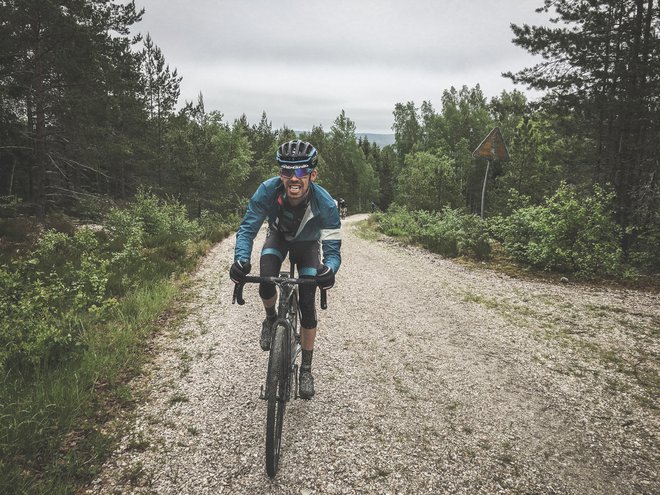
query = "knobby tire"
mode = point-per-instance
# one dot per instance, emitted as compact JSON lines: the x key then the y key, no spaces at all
{"x":277,"y":391}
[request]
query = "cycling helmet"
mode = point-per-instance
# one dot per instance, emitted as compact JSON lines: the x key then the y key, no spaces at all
{"x":297,"y":154}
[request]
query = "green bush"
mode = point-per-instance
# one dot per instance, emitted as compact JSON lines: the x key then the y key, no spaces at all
{"x":395,"y":222}
{"x":148,"y":240}
{"x":163,"y":221}
{"x":568,"y":233}
{"x":74,"y":314}
{"x":70,"y":280}
{"x":216,"y":227}
{"x":450,"y":232}
{"x":46,"y":293}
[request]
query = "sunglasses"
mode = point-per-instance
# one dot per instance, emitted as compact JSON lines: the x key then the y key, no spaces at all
{"x":298,"y":172}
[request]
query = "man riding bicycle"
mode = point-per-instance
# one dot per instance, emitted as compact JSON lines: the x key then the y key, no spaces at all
{"x":303,"y":220}
{"x":343,"y":207}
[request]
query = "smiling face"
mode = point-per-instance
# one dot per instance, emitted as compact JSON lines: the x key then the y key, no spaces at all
{"x":297,"y":187}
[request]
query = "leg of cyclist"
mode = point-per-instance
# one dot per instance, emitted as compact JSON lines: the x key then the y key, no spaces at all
{"x":272,"y":255}
{"x":308,"y":327}
{"x":306,"y":256}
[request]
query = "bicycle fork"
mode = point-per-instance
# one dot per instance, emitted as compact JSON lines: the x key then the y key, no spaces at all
{"x":294,"y":366}
{"x":294,"y":352}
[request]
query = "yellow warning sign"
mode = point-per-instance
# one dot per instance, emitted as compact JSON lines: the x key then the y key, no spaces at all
{"x":492,"y":147}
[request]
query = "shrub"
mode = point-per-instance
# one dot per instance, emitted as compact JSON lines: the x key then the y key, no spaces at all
{"x":567,"y":234}
{"x":69,"y":280}
{"x":451,"y":232}
{"x":45,"y":294}
{"x":216,"y":227}
{"x":163,"y":221}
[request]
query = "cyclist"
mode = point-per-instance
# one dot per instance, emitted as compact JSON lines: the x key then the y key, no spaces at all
{"x":302,"y":221}
{"x":343,"y":207}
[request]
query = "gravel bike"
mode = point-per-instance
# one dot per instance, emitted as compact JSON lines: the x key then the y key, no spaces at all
{"x":282,"y":372}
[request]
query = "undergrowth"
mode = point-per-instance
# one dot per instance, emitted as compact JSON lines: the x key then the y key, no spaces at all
{"x":76,"y":312}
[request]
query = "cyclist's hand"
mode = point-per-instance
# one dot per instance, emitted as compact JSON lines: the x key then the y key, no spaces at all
{"x":325,"y":277}
{"x":239,"y":270}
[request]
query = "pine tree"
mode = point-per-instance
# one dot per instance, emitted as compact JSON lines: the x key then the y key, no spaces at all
{"x":161,"y":94}
{"x":602,"y":68}
{"x":58,"y":63}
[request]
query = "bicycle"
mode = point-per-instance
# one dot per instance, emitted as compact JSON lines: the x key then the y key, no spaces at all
{"x":284,"y":351}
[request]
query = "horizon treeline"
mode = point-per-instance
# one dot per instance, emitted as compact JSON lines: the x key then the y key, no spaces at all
{"x":88,"y":111}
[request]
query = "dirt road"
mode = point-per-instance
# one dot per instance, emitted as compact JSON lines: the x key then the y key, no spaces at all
{"x":431,"y":378}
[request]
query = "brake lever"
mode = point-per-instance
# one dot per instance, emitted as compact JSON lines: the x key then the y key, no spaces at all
{"x":324,"y":299}
{"x":238,"y":295}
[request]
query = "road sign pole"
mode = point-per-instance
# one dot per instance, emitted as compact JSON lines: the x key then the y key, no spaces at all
{"x":491,"y":148}
{"x":483,"y":189}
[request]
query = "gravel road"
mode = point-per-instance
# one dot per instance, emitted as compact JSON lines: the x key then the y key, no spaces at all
{"x":431,"y":377}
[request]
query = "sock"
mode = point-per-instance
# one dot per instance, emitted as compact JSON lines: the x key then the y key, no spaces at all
{"x":307,"y":359}
{"x":271,"y":314}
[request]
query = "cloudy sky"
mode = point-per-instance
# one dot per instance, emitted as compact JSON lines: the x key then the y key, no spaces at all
{"x":302,"y":62}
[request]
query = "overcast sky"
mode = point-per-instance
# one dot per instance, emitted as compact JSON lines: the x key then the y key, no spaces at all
{"x":302,"y":62}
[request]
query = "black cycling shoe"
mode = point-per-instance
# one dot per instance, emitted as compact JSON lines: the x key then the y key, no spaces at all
{"x":266,"y":334}
{"x":306,"y":384}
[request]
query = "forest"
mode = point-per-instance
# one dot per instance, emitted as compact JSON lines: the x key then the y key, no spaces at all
{"x":92,"y":132}
{"x":89,"y":116}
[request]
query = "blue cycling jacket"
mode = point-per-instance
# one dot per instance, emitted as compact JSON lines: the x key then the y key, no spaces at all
{"x":320,"y":222}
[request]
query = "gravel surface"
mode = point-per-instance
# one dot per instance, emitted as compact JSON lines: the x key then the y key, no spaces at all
{"x":431,"y":377}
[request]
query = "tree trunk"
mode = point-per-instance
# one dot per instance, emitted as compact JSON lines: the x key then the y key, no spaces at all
{"x":39,"y":147}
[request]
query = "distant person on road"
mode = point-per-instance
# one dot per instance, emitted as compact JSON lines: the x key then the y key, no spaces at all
{"x":374,"y":207}
{"x":303,"y":220}
{"x":343,"y":208}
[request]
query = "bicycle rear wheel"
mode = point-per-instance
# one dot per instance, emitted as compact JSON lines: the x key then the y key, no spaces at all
{"x":277,"y":395}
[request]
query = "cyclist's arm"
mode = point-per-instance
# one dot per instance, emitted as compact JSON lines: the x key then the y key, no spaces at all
{"x":331,"y":240}
{"x":332,"y":253}
{"x":256,"y":213}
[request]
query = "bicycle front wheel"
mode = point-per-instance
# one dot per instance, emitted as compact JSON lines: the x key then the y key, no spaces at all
{"x":277,"y":395}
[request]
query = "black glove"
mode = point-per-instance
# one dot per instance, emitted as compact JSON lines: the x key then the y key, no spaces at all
{"x":239,"y":270}
{"x":325,"y":277}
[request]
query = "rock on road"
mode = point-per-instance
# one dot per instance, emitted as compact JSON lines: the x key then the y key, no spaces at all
{"x":431,"y":377}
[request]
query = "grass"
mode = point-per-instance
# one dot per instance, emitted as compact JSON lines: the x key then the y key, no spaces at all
{"x":133,"y":474}
{"x":178,"y":398}
{"x":564,"y":327}
{"x":366,"y":229}
{"x":515,"y":313}
{"x":484,"y":301}
{"x":54,"y":423}
{"x":138,"y":443}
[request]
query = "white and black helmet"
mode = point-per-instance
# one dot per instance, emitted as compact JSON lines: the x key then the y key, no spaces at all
{"x":297,"y":154}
